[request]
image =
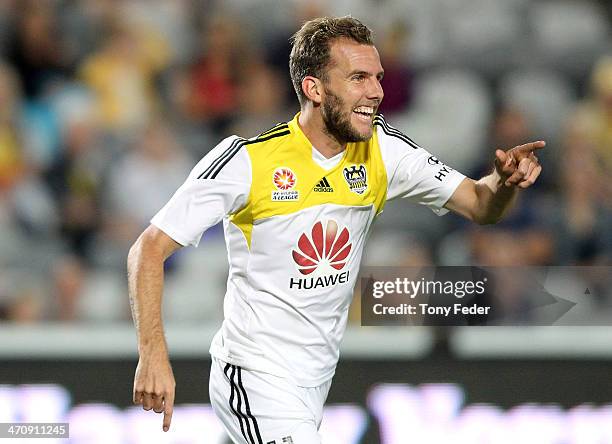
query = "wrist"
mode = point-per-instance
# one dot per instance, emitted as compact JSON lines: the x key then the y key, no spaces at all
{"x":494,"y":181}
{"x":152,"y":346}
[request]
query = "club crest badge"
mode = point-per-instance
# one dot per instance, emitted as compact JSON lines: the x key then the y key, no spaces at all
{"x":356,"y":177}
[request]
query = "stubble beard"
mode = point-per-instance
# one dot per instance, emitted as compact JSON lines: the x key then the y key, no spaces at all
{"x":336,"y":123}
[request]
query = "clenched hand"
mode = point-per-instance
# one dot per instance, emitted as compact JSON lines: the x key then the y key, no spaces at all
{"x":154,"y":385}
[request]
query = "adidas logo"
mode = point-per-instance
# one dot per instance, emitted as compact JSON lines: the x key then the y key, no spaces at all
{"x":323,"y":187}
{"x":286,"y":440}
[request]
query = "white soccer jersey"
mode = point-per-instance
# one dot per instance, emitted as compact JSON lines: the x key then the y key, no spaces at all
{"x":295,"y":234}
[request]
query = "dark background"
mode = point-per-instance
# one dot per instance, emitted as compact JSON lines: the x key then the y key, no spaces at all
{"x":506,"y":383}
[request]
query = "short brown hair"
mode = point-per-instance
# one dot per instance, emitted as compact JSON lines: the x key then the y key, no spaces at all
{"x":310,"y":51}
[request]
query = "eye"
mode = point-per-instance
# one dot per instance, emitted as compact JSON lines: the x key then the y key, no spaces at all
{"x":358,"y":77}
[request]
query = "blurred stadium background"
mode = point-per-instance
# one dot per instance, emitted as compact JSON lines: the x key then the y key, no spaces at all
{"x":105,"y":106}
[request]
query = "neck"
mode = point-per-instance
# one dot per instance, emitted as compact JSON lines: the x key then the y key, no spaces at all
{"x":311,"y":123}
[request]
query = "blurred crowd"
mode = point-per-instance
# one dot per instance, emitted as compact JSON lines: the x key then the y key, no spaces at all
{"x":106,"y":105}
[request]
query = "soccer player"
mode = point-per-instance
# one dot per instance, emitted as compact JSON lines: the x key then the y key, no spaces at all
{"x":297,"y":202}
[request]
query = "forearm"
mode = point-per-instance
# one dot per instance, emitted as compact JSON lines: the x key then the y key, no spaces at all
{"x":494,"y":198}
{"x":145,"y":284}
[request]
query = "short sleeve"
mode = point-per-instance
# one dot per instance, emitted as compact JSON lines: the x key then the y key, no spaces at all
{"x":412,"y":172}
{"x":219,"y":185}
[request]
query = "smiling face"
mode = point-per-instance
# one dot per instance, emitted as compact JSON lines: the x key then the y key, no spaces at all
{"x":351,"y":91}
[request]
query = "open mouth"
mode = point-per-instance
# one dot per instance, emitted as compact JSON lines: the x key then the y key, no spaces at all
{"x":364,"y":113}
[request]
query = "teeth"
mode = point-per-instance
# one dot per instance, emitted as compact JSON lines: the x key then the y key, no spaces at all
{"x":364,"y":109}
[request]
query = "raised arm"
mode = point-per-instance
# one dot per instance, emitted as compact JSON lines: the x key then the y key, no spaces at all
{"x":486,"y":201}
{"x":154,"y":381}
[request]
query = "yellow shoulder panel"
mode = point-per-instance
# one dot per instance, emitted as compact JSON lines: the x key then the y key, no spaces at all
{"x":286,"y":179}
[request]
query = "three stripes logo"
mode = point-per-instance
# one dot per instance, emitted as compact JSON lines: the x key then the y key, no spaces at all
{"x":240,"y":407}
{"x":382,"y":124}
{"x":323,"y":186}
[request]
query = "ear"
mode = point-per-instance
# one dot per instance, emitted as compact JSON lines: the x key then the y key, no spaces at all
{"x":312,"y":88}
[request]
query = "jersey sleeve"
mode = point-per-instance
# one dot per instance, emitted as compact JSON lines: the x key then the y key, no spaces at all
{"x":412,"y":172}
{"x":217,"y":186}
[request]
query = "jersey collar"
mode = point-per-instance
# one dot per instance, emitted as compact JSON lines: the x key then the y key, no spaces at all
{"x":306,"y":147}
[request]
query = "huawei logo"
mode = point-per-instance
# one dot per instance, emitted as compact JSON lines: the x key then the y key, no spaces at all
{"x":323,"y":246}
{"x":283,"y":178}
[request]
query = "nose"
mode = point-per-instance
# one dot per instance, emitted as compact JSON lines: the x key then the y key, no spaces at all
{"x":375,"y":90}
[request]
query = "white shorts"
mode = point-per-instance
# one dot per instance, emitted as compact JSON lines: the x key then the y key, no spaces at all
{"x":259,"y":408}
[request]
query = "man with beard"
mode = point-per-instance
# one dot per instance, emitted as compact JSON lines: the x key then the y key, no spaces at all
{"x":297,"y":202}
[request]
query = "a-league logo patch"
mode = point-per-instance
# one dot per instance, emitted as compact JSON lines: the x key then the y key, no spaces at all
{"x":356,"y":178}
{"x":284,"y":180}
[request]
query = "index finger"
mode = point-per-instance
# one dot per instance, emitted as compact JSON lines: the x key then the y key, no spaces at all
{"x":168,"y":408}
{"x":530,"y":147}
